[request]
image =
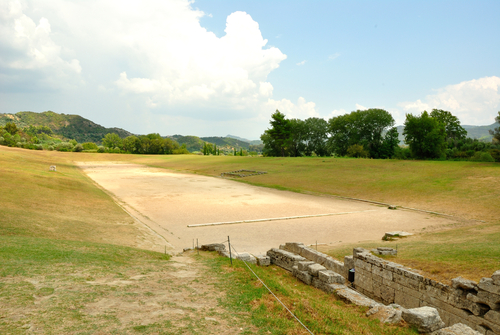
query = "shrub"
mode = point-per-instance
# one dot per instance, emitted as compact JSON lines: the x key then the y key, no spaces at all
{"x":482,"y":156}
{"x":74,"y":142}
{"x":116,"y":150}
{"x":78,"y":148}
{"x":101,"y":149}
{"x":50,"y":147}
{"x":2,"y":141}
{"x":19,"y":145}
{"x":38,"y":147}
{"x":495,"y":153}
{"x":89,"y":146}
{"x":64,"y":146}
{"x":357,"y":150}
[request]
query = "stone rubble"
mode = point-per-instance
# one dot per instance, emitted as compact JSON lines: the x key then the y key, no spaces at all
{"x":426,"y":319}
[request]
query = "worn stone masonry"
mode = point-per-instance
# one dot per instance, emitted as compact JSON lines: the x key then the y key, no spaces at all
{"x":474,"y":304}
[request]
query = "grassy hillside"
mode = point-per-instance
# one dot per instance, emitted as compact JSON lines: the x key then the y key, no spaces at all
{"x":69,"y":126}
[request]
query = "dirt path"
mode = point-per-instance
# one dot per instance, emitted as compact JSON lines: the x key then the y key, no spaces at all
{"x":168,"y":202}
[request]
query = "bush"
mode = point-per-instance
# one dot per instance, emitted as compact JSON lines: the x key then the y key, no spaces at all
{"x":402,"y":153}
{"x":101,"y":149}
{"x":495,"y":153}
{"x":482,"y":156}
{"x":64,"y":146}
{"x":78,"y":148}
{"x":19,"y":145}
{"x":74,"y":142}
{"x":357,"y":150}
{"x":38,"y":147}
{"x":116,"y":150}
{"x":2,"y":140}
{"x":50,"y":147}
{"x":89,"y":146}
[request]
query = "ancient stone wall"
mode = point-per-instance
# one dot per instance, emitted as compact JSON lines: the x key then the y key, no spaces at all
{"x":474,"y":304}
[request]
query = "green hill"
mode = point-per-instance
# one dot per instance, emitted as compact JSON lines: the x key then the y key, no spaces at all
{"x":65,"y":125}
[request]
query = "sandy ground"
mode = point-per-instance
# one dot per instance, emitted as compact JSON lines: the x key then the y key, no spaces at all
{"x":168,"y":202}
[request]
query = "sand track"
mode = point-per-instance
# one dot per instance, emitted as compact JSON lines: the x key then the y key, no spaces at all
{"x":168,"y":202}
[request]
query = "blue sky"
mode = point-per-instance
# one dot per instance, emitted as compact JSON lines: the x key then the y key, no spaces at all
{"x":212,"y":68}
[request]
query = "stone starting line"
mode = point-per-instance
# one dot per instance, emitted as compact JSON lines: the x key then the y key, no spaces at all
{"x":274,"y":219}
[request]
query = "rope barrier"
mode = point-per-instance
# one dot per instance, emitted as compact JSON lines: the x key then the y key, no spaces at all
{"x":282,"y":304}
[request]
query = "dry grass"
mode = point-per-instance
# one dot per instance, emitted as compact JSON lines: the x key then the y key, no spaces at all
{"x":64,"y":204}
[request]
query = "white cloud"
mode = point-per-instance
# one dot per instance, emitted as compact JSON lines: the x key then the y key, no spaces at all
{"x":148,"y":58}
{"x":29,"y":46}
{"x":361,"y":108}
{"x":300,"y":110}
{"x":301,"y":63}
{"x":473,"y":102}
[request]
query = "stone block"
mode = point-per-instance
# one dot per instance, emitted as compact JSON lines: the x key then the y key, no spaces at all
{"x":315,"y":268}
{"x":303,"y":276}
{"x":385,"y":251}
{"x":354,"y":297}
{"x":484,"y":297}
{"x":323,"y":286}
{"x":246,"y":257}
{"x":303,"y":266}
{"x":463,"y":283}
{"x":330,"y":277}
{"x":386,"y":314}
{"x":496,"y":278}
{"x":363,"y":281}
{"x":487,"y":285}
{"x":405,"y":281}
{"x":284,"y":259}
{"x":485,"y":323}
{"x":382,"y":272}
{"x":493,"y":316}
{"x":295,"y":247}
{"x":213,"y":247}
{"x":426,"y":319}
{"x":313,"y":255}
{"x":456,"y":329}
{"x":334,"y":265}
{"x":263,"y":260}
{"x":405,"y":300}
{"x":359,"y":263}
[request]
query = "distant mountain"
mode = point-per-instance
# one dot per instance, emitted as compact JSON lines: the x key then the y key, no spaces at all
{"x":478,"y":132}
{"x":66,"y":125}
{"x":225,"y":144}
{"x":255,"y":142}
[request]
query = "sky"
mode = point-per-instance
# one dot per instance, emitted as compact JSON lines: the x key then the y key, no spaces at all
{"x":219,"y":67}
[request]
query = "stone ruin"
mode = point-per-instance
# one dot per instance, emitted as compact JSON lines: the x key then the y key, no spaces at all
{"x":393,"y":292}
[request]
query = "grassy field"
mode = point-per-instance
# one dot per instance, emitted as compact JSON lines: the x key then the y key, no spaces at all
{"x":67,"y":265}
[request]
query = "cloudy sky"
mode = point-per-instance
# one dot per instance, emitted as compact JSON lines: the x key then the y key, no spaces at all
{"x":218,"y":67}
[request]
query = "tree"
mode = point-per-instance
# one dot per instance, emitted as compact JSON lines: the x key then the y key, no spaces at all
{"x":496,"y":131}
{"x":298,"y":133}
{"x":451,"y":123}
{"x":112,"y":140}
{"x":131,"y":144}
{"x":364,"y":127}
{"x":278,"y":138}
{"x":390,"y":143}
{"x":425,"y":136}
{"x":317,"y":137}
{"x":11,"y":128}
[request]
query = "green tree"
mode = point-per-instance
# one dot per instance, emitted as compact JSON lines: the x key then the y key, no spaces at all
{"x":389,"y":144}
{"x":451,"y":124}
{"x":425,"y":136}
{"x":11,"y":128}
{"x":278,"y":138}
{"x":131,"y":144}
{"x":364,"y":127}
{"x":496,"y":132}
{"x":298,"y":135}
{"x":317,"y":137}
{"x":112,"y":140}
{"x":357,"y":150}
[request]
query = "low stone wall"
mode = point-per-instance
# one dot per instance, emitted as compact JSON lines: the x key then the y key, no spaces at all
{"x":317,"y":257}
{"x":474,"y":304}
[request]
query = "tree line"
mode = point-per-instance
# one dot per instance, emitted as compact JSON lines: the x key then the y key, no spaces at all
{"x":371,"y":134}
